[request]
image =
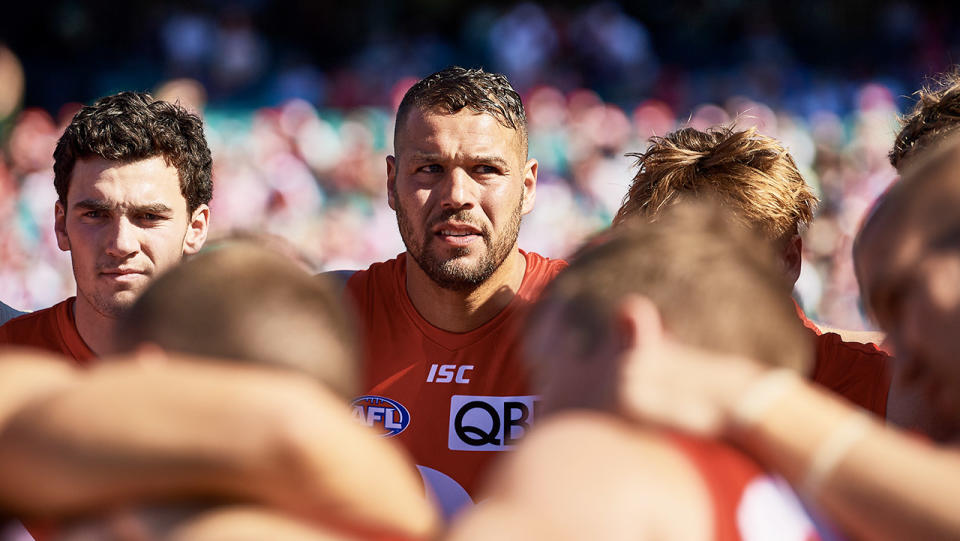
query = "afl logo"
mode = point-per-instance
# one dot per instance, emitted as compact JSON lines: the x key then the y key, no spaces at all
{"x":384,"y":414}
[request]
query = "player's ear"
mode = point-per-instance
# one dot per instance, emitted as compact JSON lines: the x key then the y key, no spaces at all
{"x":529,"y":185}
{"x":391,"y":182}
{"x":60,"y":226}
{"x":638,"y":322}
{"x":197,"y":230}
{"x":792,"y":259}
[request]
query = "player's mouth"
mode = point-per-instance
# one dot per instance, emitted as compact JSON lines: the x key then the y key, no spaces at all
{"x":457,"y":234}
{"x":122,"y":274}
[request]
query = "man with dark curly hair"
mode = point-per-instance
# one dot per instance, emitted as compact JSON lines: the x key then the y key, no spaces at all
{"x":133,"y":180}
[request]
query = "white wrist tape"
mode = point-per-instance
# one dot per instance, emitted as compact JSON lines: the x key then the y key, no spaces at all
{"x":831,"y":451}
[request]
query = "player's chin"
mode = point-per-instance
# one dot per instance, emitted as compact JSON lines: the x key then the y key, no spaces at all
{"x":117,"y":303}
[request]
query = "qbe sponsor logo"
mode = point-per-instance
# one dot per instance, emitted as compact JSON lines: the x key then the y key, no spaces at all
{"x":489,"y":423}
{"x":382,"y":413}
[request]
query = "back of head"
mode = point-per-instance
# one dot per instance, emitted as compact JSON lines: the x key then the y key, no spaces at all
{"x":453,"y":89}
{"x":252,"y":304}
{"x":935,"y":116}
{"x":133,"y":126}
{"x":715,"y":285}
{"x":751,"y":175}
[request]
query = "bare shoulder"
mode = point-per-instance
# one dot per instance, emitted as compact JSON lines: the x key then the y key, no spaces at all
{"x":590,"y":475}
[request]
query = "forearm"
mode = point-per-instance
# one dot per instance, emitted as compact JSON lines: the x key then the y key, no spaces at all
{"x":126,"y":431}
{"x":185,"y":429}
{"x":879,"y":483}
{"x":27,"y":375}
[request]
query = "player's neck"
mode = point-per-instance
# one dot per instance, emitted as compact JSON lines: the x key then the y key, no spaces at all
{"x":464,"y":311}
{"x":95,"y":328}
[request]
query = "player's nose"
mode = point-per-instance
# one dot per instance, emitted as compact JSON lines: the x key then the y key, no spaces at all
{"x":122,"y":239}
{"x":459,"y":190}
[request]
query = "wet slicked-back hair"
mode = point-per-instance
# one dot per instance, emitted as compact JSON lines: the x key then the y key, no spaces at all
{"x":451,"y":90}
{"x":935,"y":116}
{"x":133,"y":126}
{"x":715,"y":284}
{"x":251,"y":304}
{"x":751,"y":175}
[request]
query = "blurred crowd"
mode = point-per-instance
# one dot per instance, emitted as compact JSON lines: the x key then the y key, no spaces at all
{"x":299,"y":149}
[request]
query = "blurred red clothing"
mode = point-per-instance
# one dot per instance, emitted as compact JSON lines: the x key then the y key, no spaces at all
{"x":748,"y":503}
{"x":861,"y":373}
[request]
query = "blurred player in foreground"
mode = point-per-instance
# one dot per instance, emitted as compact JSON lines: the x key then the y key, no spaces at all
{"x":275,"y":432}
{"x":759,"y":185}
{"x":133,"y":180}
{"x":877,"y":482}
{"x":587,"y":473}
{"x":934,"y":117}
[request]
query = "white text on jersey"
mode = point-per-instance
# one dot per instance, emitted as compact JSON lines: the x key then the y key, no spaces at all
{"x":445,"y":373}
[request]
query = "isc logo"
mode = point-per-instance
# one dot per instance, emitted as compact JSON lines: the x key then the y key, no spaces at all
{"x":381,"y":413}
{"x":445,"y":373}
{"x":489,"y":423}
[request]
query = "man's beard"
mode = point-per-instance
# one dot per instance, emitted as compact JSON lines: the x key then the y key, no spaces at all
{"x":451,"y":272}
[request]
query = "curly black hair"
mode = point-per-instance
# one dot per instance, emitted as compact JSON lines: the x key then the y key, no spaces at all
{"x":133,"y":126}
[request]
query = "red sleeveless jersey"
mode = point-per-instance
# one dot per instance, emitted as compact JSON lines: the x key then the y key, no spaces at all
{"x":452,"y":399}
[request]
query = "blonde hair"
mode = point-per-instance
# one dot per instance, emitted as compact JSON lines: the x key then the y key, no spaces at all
{"x":935,"y":115}
{"x":751,"y":174}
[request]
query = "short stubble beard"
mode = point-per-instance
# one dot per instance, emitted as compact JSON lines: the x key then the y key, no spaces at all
{"x":452,"y":273}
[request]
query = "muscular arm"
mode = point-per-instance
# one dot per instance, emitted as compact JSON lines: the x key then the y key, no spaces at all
{"x":176,"y":429}
{"x":886,"y":485}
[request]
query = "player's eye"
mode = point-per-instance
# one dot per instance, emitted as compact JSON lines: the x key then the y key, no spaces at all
{"x":485,"y":169}
{"x":95,"y":214}
{"x":430,"y":168}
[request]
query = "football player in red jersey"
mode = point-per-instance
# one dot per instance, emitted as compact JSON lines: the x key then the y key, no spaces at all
{"x":133,"y":181}
{"x":443,"y":369}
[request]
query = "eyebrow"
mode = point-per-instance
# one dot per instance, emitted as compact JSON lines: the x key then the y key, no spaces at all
{"x":102,"y":205}
{"x":93,"y":204}
{"x":482,"y":158}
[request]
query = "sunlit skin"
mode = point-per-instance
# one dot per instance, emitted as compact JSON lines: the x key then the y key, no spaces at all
{"x":919,"y":307}
{"x":459,"y":184}
{"x":908,"y":267}
{"x":123,"y":224}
